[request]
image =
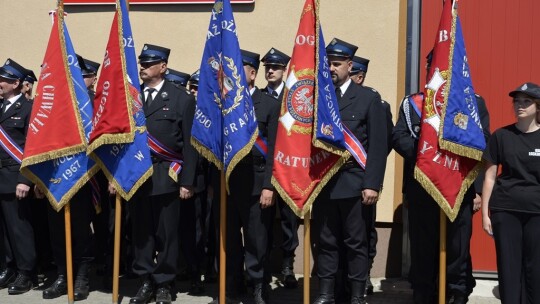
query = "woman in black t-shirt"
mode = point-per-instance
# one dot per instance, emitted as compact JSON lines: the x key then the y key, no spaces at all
{"x":511,"y":201}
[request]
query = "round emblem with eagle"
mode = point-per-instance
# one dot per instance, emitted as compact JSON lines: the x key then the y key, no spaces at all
{"x":300,"y":100}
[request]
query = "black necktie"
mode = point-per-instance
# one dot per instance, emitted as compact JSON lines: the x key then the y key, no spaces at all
{"x":149,"y":98}
{"x":274,"y":93}
{"x":2,"y":105}
{"x":338,"y":93}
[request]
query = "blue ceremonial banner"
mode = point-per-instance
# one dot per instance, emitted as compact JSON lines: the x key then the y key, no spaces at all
{"x":328,"y":120}
{"x":123,"y":155}
{"x":331,"y":134}
{"x":461,"y":130}
{"x":225,"y":127}
{"x":60,"y":172}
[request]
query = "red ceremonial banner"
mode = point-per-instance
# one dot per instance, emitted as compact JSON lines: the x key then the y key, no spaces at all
{"x":300,"y":169}
{"x":112,"y":121}
{"x":55,"y":111}
{"x":446,"y":176}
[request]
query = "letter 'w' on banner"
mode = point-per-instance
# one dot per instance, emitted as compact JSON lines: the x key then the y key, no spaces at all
{"x":301,"y":169}
{"x":55,"y":152}
{"x":119,"y":140}
{"x":451,"y":138}
{"x":225,"y":127}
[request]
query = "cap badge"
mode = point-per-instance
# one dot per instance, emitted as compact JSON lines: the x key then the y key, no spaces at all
{"x":272,"y":51}
{"x":524,"y":87}
{"x":145,"y":47}
{"x":7,"y":62}
{"x":334,"y":41}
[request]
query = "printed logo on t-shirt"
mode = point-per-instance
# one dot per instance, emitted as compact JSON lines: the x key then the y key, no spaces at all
{"x":535,"y":153}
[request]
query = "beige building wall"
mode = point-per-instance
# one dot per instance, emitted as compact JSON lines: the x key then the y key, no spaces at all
{"x":376,"y":26}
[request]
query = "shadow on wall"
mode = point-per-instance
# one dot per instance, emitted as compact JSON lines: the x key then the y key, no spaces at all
{"x":395,"y":245}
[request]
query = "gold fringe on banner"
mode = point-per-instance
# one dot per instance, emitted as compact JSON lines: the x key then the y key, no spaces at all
{"x":432,"y":190}
{"x":316,"y":191}
{"x":58,"y":205}
{"x":111,"y":139}
{"x":125,"y":195}
{"x":241,"y":154}
{"x":52,"y":155}
{"x":206,"y":153}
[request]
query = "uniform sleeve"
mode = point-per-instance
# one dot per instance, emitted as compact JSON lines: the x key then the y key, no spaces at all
{"x":21,"y":179}
{"x":402,"y":141}
{"x":389,"y":124}
{"x":377,"y":146}
{"x":272,"y":132}
{"x":189,"y":170}
{"x":492,"y":150}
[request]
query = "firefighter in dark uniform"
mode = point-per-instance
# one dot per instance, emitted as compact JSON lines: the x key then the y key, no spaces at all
{"x":194,"y":83}
{"x":19,"y":273}
{"x":275,"y":65}
{"x":358,"y":75}
{"x":155,"y":208}
{"x":423,"y":214}
{"x":177,"y":77}
{"x":28,"y":85}
{"x":82,"y":212}
{"x":206,"y":231}
{"x":249,"y":204}
{"x":191,"y":226}
{"x":338,"y":209}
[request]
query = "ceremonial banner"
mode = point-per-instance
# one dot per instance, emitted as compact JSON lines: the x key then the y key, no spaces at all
{"x":55,"y":151}
{"x":301,"y":168}
{"x":225,"y":127}
{"x":119,"y":141}
{"x":451,"y":138}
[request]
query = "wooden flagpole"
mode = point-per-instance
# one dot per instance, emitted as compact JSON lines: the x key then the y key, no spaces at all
{"x":69,"y":257}
{"x":117,"y":231}
{"x":222,"y":240}
{"x":307,"y":255}
{"x":442,"y":258}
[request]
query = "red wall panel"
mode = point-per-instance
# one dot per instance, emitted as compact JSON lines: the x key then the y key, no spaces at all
{"x":503,"y":48}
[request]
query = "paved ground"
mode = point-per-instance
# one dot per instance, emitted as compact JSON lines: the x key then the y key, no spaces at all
{"x":387,"y":291}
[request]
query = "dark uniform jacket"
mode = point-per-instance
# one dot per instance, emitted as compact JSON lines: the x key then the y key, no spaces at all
{"x":363,"y":113}
{"x":267,"y":112}
{"x":15,"y":123}
{"x":407,"y":146}
{"x":169,"y":119}
{"x":279,"y":98}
